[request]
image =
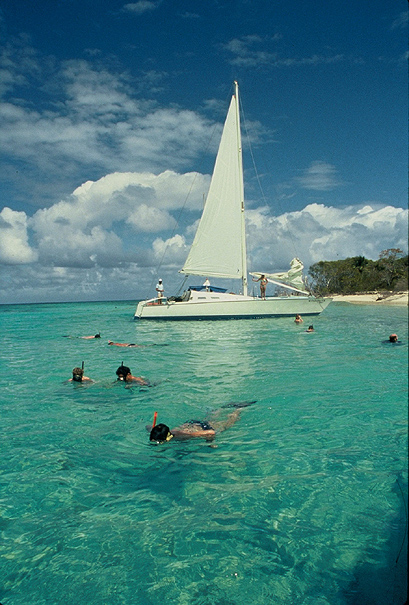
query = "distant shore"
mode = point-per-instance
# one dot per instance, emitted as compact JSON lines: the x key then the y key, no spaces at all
{"x":398,"y":299}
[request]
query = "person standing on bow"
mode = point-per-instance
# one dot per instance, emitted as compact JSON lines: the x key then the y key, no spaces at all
{"x":160,"y":290}
{"x":263,"y":283}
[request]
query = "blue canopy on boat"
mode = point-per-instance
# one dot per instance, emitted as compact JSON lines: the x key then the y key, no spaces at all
{"x":210,"y":288}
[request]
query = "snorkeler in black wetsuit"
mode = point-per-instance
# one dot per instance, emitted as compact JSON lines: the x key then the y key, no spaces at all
{"x":198,"y":428}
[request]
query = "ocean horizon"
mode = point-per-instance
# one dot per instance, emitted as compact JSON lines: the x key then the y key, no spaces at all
{"x":301,"y":502}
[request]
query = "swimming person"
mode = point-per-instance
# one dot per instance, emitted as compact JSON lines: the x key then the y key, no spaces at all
{"x":298,"y":319}
{"x":205,"y":429}
{"x":78,"y":376}
{"x":310,"y":329}
{"x":124,"y":374}
{"x":85,"y":337}
{"x":393,"y":339}
{"x":123,"y":344}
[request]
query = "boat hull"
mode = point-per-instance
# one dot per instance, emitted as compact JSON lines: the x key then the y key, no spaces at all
{"x":247,"y":308}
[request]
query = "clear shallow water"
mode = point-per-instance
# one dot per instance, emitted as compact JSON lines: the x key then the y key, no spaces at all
{"x":302,"y":501}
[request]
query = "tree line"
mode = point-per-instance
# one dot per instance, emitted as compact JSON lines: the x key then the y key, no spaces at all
{"x":359,"y":274}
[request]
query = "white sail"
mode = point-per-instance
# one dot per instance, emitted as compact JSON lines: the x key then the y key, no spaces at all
{"x":218,"y":249}
{"x":293,"y":277}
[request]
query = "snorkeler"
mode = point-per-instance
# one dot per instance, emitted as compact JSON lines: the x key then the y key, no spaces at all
{"x":310,"y":329}
{"x":123,"y":344}
{"x":85,"y":337}
{"x":298,"y":319}
{"x":160,"y":433}
{"x":124,"y":374}
{"x":90,"y":337}
{"x":78,"y":376}
{"x":393,"y":339}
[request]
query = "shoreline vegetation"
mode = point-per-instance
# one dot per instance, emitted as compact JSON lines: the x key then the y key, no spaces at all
{"x":381,"y":281}
{"x":398,"y":299}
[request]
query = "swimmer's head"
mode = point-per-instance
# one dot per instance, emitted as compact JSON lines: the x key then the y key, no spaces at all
{"x":77,"y":374}
{"x":393,"y":338}
{"x":98,"y":335}
{"x":160,"y":433}
{"x":122,"y":372}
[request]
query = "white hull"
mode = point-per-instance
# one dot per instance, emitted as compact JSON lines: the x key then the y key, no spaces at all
{"x":208,"y":305}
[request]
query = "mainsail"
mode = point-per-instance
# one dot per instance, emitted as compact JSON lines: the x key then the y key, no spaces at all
{"x":219,"y":249}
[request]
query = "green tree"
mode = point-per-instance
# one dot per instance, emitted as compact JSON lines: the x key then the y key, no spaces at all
{"x":359,"y":274}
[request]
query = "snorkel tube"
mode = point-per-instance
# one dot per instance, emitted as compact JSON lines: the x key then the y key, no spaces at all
{"x":154,"y":419}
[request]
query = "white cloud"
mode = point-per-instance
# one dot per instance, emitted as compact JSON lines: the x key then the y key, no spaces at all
{"x":319,"y":176}
{"x":90,"y":121}
{"x":140,"y":7}
{"x":89,"y":228}
{"x":172,"y":251}
{"x":401,"y":21}
{"x":112,"y":234}
{"x":14,"y":246}
{"x":245,"y":52}
{"x":319,"y":232}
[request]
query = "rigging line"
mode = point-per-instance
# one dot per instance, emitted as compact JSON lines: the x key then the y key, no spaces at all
{"x":259,"y":180}
{"x":182,"y":208}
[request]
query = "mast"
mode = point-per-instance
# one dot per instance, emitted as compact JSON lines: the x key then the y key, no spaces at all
{"x":241,"y":185}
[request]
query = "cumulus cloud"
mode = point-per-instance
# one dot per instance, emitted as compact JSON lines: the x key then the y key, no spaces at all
{"x":173,"y":251}
{"x":14,"y":246}
{"x":90,"y":122}
{"x":112,"y":236}
{"x":320,"y":232}
{"x":90,"y":227}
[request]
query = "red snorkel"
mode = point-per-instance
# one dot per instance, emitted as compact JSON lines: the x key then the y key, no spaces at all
{"x":154,"y":419}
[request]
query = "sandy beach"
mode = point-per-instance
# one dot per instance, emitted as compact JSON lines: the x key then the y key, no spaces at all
{"x":399,"y":299}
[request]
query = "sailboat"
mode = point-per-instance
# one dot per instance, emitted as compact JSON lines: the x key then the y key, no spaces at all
{"x":219,"y":251}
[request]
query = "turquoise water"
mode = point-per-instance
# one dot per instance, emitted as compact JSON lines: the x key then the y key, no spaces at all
{"x":302,"y":501}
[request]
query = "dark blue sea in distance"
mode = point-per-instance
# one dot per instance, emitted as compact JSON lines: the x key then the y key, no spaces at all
{"x":301,"y":502}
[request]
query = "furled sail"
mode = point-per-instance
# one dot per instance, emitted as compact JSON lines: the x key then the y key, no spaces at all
{"x":292,"y":278}
{"x":218,"y":248}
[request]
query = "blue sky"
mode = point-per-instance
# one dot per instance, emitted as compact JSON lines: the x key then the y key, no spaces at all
{"x":109,"y":108}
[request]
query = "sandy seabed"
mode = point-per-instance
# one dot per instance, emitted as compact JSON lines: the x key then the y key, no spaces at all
{"x":399,"y":299}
